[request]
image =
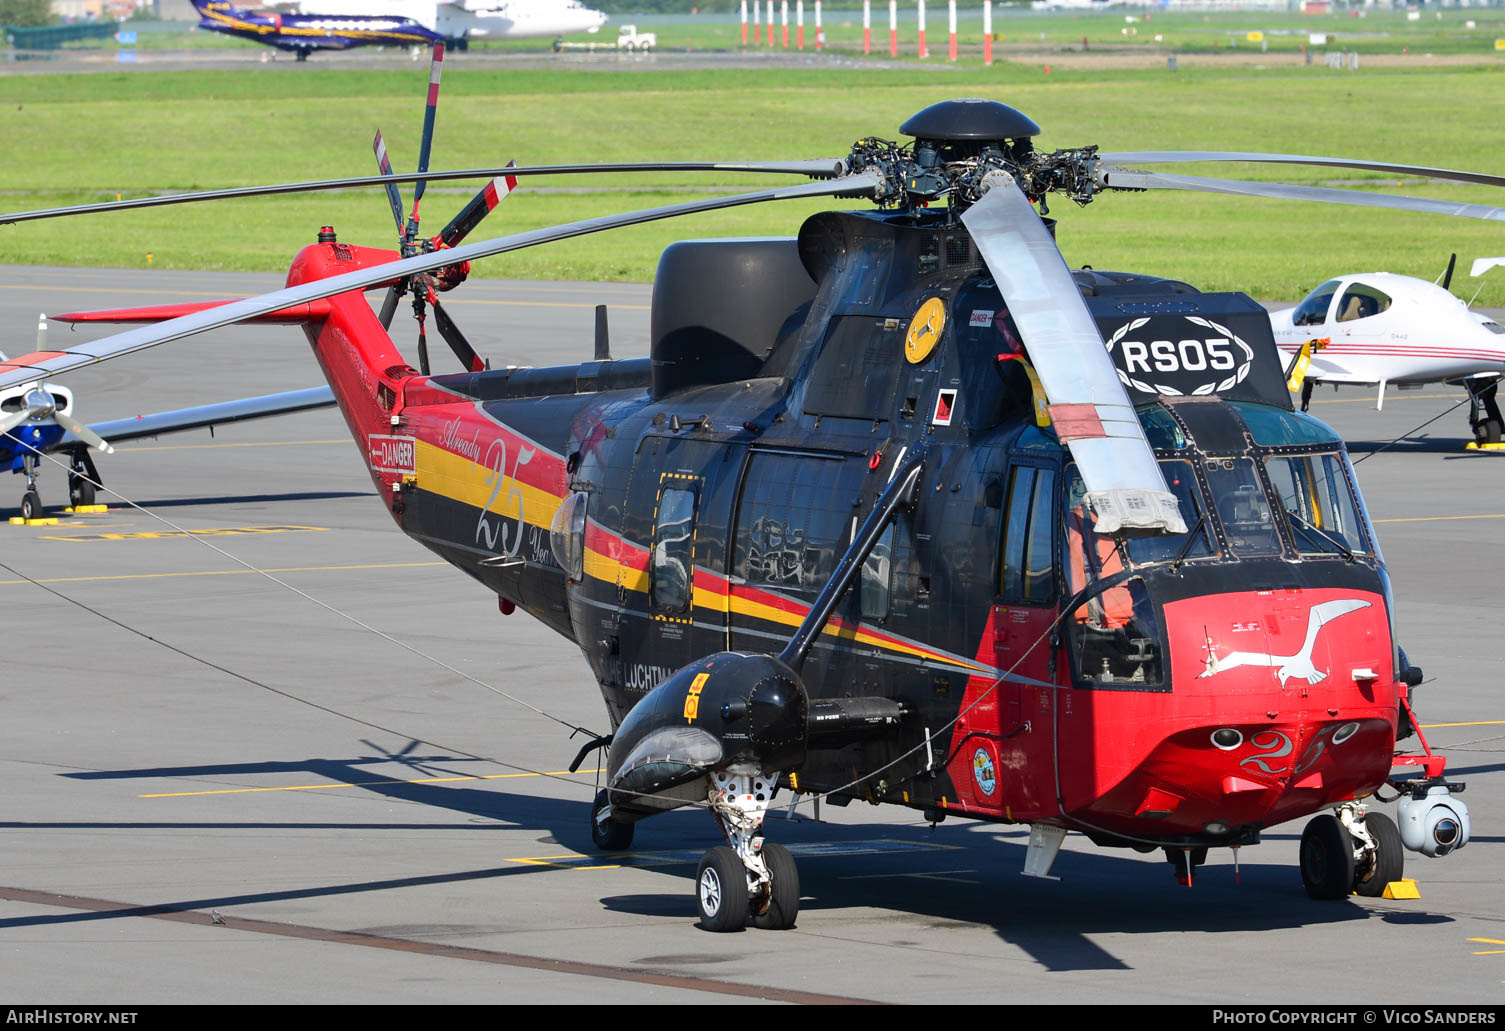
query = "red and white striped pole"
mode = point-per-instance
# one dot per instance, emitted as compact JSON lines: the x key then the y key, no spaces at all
{"x":867,"y":26}
{"x":757,"y":7}
{"x":920,"y":47}
{"x":784,"y":21}
{"x":770,"y":22}
{"x":987,"y":32}
{"x":893,"y":28}
{"x":951,"y":25}
{"x":744,"y":22}
{"x":820,"y":33}
{"x":799,"y":24}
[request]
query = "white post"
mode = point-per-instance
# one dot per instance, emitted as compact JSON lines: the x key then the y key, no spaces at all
{"x":744,"y":22}
{"x":893,"y":28}
{"x":920,"y":46}
{"x":820,"y":33}
{"x":951,"y":25}
{"x":987,"y":32}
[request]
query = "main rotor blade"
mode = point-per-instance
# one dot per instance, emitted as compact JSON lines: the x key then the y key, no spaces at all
{"x":825,"y":168}
{"x":1153,"y":157}
{"x":1124,"y":484}
{"x":41,"y":364}
{"x":436,"y":69}
{"x":455,"y":339}
{"x":384,"y":163}
{"x":479,"y":207}
{"x":1128,"y":179}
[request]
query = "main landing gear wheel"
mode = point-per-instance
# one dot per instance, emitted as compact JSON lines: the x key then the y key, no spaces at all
{"x":1487,"y":432}
{"x":1386,"y":862}
{"x":1327,"y":858}
{"x":31,"y":505}
{"x":721,"y":890}
{"x":775,"y":908}
{"x":609,"y":835}
{"x":80,"y":491}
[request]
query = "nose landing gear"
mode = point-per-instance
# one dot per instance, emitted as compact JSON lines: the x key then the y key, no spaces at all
{"x":751,"y":879}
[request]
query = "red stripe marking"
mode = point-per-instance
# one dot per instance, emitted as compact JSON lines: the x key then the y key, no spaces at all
{"x":489,"y":194}
{"x":1077,"y":421}
{"x":34,"y":358}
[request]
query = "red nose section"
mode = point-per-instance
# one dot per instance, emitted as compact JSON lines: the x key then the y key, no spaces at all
{"x":1281,"y":702}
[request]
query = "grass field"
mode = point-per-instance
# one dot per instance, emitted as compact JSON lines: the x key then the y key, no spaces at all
{"x":77,"y":138}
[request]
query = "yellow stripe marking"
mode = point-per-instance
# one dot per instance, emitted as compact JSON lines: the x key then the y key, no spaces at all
{"x":464,"y":480}
{"x":361,"y":783}
{"x":1438,"y":519}
{"x":223,"y":572}
{"x":1481,"y":723}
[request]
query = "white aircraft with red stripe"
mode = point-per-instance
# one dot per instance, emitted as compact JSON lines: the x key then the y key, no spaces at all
{"x":1381,"y":329}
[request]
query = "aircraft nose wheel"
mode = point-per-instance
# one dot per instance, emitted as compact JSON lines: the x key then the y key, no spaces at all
{"x":721,"y":890}
{"x":31,"y":505}
{"x":1327,"y":867}
{"x":608,"y":834}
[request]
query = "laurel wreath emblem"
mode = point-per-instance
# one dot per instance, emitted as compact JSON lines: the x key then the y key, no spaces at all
{"x":1212,"y":387}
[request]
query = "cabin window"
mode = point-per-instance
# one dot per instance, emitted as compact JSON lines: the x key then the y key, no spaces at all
{"x":795,"y":519}
{"x":1314,"y":492}
{"x":1028,"y":569}
{"x":1275,"y":427}
{"x":1313,"y":310}
{"x":1361,"y":302}
{"x":674,"y":550}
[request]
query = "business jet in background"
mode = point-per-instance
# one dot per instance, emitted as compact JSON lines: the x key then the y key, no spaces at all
{"x":1379,"y":329}
{"x":343,"y":24}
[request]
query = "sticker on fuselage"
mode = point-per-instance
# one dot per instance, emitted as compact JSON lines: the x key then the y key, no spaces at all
{"x":692,"y":696}
{"x":981,"y":317}
{"x":925,"y":330}
{"x":945,"y":407}
{"x":984,"y":772}
{"x":393,"y":454}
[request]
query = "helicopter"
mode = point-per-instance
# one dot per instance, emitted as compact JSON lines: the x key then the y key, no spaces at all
{"x":903,"y":510}
{"x":1381,"y":328}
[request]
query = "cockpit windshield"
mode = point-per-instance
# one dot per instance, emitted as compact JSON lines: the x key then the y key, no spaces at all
{"x":1319,"y":504}
{"x":1312,"y":311}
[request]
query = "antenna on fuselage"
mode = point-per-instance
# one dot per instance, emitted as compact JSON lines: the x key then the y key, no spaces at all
{"x":603,"y":338}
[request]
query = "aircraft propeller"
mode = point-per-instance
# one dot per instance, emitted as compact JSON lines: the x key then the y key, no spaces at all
{"x":40,"y":403}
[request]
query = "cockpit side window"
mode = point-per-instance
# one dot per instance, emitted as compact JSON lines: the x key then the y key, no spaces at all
{"x":673,"y":550}
{"x":1318,"y":503}
{"x":1028,"y":573}
{"x":1313,"y":310}
{"x":1361,"y":302}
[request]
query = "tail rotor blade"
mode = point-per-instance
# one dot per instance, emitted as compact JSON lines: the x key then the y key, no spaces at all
{"x":384,"y":163}
{"x":1093,"y":415}
{"x":456,"y":339}
{"x":436,"y":68}
{"x":479,"y":207}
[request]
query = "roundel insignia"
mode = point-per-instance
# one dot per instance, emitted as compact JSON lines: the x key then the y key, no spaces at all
{"x":984,"y":771}
{"x":925,"y":330}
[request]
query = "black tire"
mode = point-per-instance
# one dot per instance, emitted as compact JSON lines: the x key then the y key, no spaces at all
{"x":80,"y":491}
{"x":1388,"y":863}
{"x":31,"y":505}
{"x":778,"y":910}
{"x":721,"y":891}
{"x":612,"y":835}
{"x":1326,"y":858}
{"x":1491,"y":432}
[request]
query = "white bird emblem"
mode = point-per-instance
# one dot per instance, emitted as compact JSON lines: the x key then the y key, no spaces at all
{"x":1298,"y":665}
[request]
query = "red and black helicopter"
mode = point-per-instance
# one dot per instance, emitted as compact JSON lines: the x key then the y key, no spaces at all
{"x":904,"y":510}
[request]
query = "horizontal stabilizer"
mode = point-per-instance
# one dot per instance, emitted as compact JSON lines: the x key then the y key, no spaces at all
{"x":154,"y":313}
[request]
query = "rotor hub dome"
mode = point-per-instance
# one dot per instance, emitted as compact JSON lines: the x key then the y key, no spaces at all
{"x":970,"y":120}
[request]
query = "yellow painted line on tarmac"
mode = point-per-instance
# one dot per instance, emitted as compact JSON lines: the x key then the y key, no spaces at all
{"x":1392,"y":396}
{"x":361,"y":784}
{"x":1489,"y":952}
{"x":1481,"y":723}
{"x":222,"y":572}
{"x":1439,"y":519}
{"x":259,"y":443}
{"x":209,"y":531}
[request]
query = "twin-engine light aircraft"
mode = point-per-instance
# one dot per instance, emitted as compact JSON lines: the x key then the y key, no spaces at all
{"x":344,"y":24}
{"x":881,"y":518}
{"x":1379,"y":329}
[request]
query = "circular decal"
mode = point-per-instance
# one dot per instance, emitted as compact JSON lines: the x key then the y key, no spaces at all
{"x":925,"y":330}
{"x":985,"y":773}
